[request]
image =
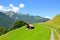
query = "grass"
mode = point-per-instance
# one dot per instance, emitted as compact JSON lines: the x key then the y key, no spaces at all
{"x":40,"y":32}
{"x":55,"y":36}
{"x":54,"y":23}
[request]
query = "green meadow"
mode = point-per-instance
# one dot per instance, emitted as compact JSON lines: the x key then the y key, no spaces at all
{"x":40,"y":32}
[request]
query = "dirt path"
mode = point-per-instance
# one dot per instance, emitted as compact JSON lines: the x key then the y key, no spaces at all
{"x":52,"y":34}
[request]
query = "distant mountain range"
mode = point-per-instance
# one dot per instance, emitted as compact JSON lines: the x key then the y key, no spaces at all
{"x":26,"y":17}
{"x":5,"y":20}
{"x":8,"y":17}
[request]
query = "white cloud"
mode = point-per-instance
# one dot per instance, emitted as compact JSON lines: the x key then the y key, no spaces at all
{"x":21,"y":5}
{"x":11,"y":7}
{"x":48,"y":17}
{"x":1,"y":7}
{"x":7,"y":9}
{"x":14,"y":8}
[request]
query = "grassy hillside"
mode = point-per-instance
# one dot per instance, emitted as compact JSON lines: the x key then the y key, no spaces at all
{"x":40,"y":32}
{"x":55,"y":22}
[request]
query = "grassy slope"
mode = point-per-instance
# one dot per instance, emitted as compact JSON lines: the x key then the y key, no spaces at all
{"x":55,"y":36}
{"x":54,"y":23}
{"x":39,"y":33}
{"x":55,"y":20}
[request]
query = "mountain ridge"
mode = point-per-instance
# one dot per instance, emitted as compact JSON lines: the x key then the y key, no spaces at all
{"x":5,"y":20}
{"x":27,"y":17}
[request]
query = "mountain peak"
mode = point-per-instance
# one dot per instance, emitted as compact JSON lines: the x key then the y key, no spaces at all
{"x":10,"y":13}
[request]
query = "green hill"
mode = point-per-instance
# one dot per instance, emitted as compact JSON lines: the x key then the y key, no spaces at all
{"x":40,"y":32}
{"x":55,"y":22}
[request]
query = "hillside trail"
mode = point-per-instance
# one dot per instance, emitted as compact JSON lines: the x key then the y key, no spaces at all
{"x":52,"y":34}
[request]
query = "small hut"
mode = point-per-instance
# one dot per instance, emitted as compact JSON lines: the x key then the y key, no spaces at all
{"x":29,"y":26}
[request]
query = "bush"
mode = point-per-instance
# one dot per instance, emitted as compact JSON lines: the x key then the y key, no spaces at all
{"x":17,"y":24}
{"x":2,"y":30}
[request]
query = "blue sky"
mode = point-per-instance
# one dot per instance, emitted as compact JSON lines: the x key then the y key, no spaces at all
{"x":36,"y":7}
